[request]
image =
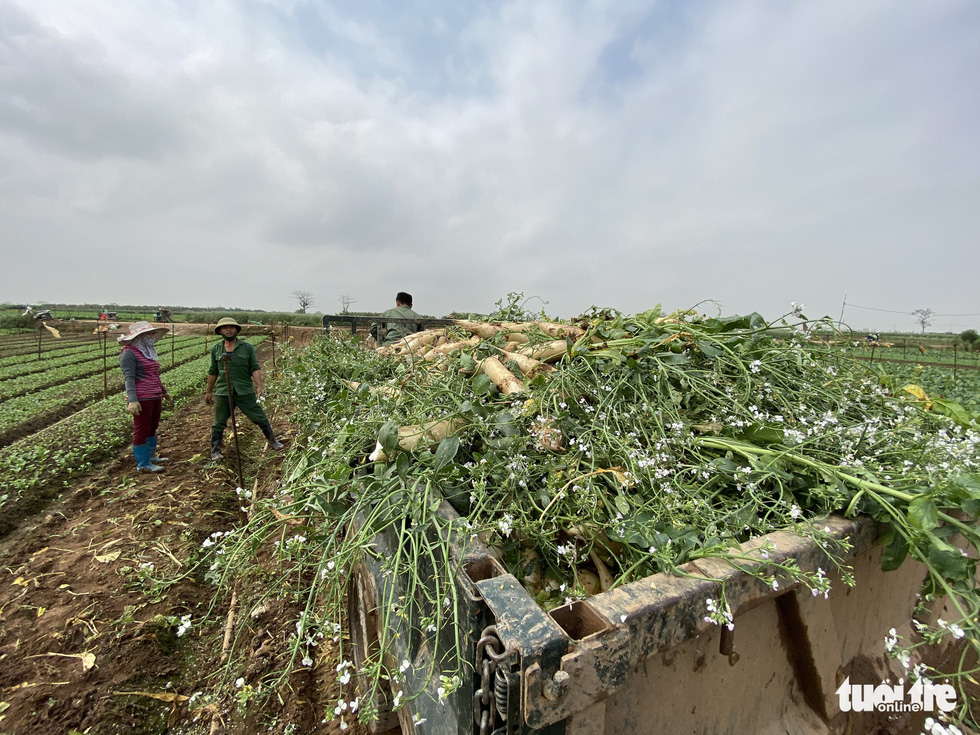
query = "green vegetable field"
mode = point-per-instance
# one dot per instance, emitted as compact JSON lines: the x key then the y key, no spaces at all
{"x":55,"y":422}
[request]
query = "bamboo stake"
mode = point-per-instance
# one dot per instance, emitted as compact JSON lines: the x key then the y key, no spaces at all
{"x":231,"y":415}
{"x":226,"y":644}
{"x":105,"y":363}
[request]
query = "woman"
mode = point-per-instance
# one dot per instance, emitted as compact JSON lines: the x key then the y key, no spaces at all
{"x":144,"y":391}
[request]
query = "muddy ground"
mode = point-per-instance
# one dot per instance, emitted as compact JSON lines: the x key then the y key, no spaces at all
{"x":90,"y":614}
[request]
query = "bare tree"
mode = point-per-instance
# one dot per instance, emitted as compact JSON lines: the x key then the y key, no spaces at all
{"x":346,"y":301}
{"x":305,"y":299}
{"x":923,"y":317}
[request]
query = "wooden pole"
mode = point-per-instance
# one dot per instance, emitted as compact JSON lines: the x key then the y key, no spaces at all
{"x":173,"y":338}
{"x":40,"y":334}
{"x":231,"y":414}
{"x":105,"y":363}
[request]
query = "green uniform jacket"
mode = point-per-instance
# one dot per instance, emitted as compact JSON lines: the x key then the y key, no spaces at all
{"x":244,"y":362}
{"x":395,"y":332}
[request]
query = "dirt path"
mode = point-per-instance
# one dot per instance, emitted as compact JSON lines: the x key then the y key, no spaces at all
{"x":90,"y":614}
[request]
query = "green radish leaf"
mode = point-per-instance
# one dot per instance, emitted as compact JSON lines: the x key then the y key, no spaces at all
{"x":482,"y":385}
{"x":895,"y":551}
{"x":709,"y":349}
{"x":923,"y":513}
{"x":762,"y":435}
{"x":504,"y":423}
{"x":950,"y":564}
{"x":388,"y":437}
{"x":971,"y":506}
{"x":446,"y":451}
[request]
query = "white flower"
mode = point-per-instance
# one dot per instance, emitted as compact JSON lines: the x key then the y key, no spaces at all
{"x":795,"y":511}
{"x":936,"y":728}
{"x":239,"y":682}
{"x":891,"y":640}
{"x":307,"y":661}
{"x":404,"y":666}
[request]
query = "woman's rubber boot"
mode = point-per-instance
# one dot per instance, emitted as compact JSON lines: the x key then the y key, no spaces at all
{"x":151,"y":442}
{"x":143,"y":463}
{"x":216,"y":438}
{"x":273,"y":442}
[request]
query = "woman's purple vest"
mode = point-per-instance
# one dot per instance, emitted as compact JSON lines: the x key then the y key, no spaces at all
{"x":148,"y":383}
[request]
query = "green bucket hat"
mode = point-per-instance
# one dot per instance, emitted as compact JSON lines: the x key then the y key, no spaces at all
{"x":227,"y":321}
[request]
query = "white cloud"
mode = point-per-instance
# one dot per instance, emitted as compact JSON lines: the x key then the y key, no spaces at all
{"x":621,"y":155}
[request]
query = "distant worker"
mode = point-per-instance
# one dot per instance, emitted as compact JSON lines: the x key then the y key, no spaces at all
{"x":144,"y":391}
{"x":395,"y":331}
{"x":246,"y":384}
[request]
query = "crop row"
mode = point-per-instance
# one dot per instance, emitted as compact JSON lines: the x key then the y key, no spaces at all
{"x":24,"y":414}
{"x":940,"y":382}
{"x":24,"y":351}
{"x":59,"y":349}
{"x":93,"y":353}
{"x":72,"y":445}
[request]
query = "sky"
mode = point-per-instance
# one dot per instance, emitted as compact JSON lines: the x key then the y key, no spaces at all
{"x":730,"y":155}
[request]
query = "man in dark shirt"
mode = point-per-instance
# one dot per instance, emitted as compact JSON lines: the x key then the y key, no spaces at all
{"x":396,"y":331}
{"x":246,"y":384}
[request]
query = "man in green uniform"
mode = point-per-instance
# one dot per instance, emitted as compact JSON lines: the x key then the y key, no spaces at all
{"x":246,"y":384}
{"x":395,"y":331}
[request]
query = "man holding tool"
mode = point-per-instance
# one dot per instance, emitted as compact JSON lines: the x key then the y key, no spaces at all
{"x":237,"y":365}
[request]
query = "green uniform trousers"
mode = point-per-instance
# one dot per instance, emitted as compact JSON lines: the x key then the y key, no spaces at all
{"x":244,"y":402}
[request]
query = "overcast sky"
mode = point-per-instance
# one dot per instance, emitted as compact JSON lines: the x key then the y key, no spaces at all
{"x":618,"y":153}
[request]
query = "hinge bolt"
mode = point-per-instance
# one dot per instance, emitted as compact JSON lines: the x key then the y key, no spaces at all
{"x":557,"y":687}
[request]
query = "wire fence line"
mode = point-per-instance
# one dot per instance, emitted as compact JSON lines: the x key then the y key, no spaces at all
{"x":939,"y":322}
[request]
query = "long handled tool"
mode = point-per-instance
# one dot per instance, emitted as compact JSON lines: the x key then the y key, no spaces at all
{"x":231,"y":413}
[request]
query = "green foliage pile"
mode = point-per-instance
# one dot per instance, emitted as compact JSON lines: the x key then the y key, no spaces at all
{"x":656,"y":441}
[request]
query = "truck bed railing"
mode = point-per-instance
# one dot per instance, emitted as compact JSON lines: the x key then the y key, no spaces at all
{"x":354,"y":321}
